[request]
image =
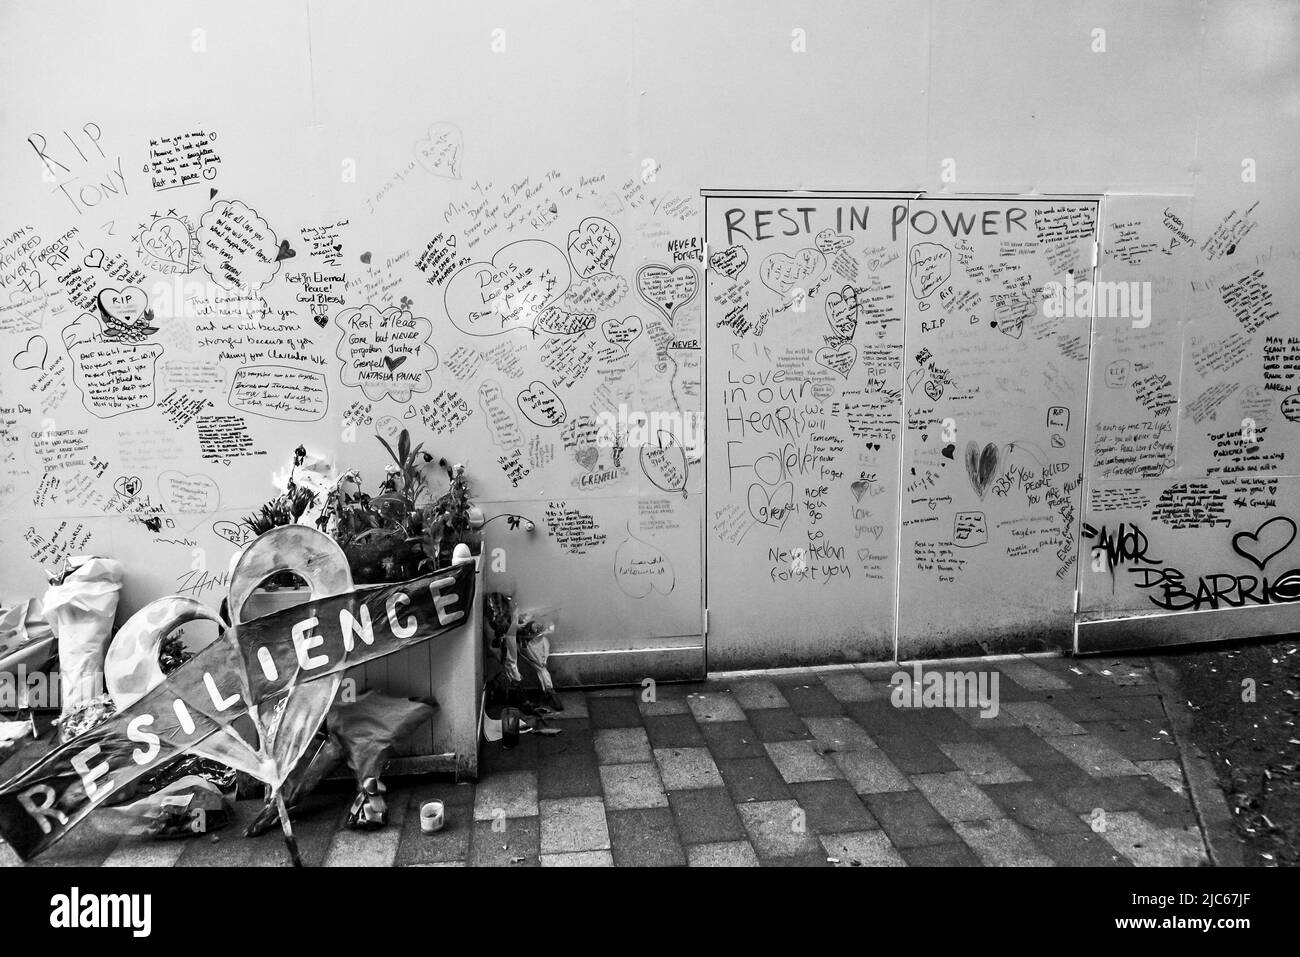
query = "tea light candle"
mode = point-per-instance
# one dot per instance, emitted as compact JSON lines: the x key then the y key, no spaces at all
{"x":432,"y":817}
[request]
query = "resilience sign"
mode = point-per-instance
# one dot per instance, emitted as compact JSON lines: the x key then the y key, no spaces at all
{"x":246,"y":674}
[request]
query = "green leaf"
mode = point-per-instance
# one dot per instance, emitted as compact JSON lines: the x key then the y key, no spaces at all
{"x":389,"y":448}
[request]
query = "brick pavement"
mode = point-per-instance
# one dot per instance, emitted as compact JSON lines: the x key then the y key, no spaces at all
{"x":810,"y":767}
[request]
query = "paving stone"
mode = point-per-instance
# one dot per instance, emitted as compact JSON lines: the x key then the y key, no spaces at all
{"x":848,"y":685}
{"x":715,"y":706}
{"x":449,"y":844}
{"x":1002,"y":843}
{"x":1033,"y":807}
{"x":1093,"y":755}
{"x":576,"y":738}
{"x":685,"y":769}
{"x":1027,"y":674}
{"x":1159,"y":805}
{"x":800,"y":761}
{"x":579,"y":859}
{"x":723,"y":854}
{"x":575,"y":704}
{"x":1138,"y":740}
{"x":1025,"y":748}
{"x":573,"y":824}
{"x":632,"y":785}
{"x":812,"y":699}
{"x":706,"y":816}
{"x":673,"y":731}
{"x":805,"y":860}
{"x":913,"y":754}
{"x":616,"y":712}
{"x":1041,"y":718}
{"x":662,"y":705}
{"x":494,"y":758}
{"x":839,"y":733}
{"x":776,"y":830}
{"x":1167,"y":772}
{"x":832,"y":807}
{"x":909,"y":819}
{"x":1148,"y":846}
{"x":516,"y":846}
{"x":622,"y":745}
{"x":862,"y":849}
{"x":941,"y":855}
{"x":881,"y":717}
{"x":1081,"y":707}
{"x":90,"y":843}
{"x":956,"y":797}
{"x":753,"y":779}
{"x":568,"y":776}
{"x":1080,"y":850}
{"x":942,"y":725}
{"x":514,"y":793}
{"x":778,"y":724}
{"x":984,"y":763}
{"x":732,"y":739}
{"x":145,"y":852}
{"x":757,"y":694}
{"x":871,"y":772}
{"x":645,"y":838}
{"x":368,"y":848}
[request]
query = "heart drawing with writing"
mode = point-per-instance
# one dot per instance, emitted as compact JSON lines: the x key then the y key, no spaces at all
{"x":781,"y":273}
{"x":1266,"y":542}
{"x":842,"y":312}
{"x":168,"y":239}
{"x":839,"y":359}
{"x":667,"y":289}
{"x":981,"y":466}
{"x":771,"y":509}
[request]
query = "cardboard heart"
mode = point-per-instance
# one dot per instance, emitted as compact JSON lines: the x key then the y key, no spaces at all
{"x":982,"y":467}
{"x":667,"y":289}
{"x":842,"y":312}
{"x":1266,"y":542}
{"x":839,"y":359}
{"x":127,"y":306}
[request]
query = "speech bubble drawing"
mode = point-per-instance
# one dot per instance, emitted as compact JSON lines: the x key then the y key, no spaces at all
{"x":731,"y":262}
{"x":593,"y":246}
{"x":239,"y":249}
{"x":441,"y":150}
{"x":622,"y":332}
{"x":781,"y":273}
{"x":510,"y":292}
{"x":114,"y":377}
{"x":385,"y":353}
{"x":664,"y":463}
{"x":597,"y":294}
{"x":969,"y":529}
{"x":667,"y":289}
{"x":929,"y":266}
{"x":540,"y":405}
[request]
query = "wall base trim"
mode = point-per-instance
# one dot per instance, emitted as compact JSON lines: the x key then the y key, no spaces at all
{"x":1142,"y":632}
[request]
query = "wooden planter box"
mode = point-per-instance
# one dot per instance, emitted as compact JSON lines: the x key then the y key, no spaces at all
{"x":448,"y":668}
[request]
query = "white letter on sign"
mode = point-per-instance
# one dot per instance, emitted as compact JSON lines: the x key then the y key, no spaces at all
{"x":88,"y":774}
{"x":407,"y":629}
{"x":303,"y":644}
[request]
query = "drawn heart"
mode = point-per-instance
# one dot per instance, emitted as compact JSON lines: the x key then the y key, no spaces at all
{"x":94,"y":259}
{"x":781,"y":273}
{"x":842,"y":312}
{"x":128,"y":485}
{"x":640,"y":567}
{"x":771,"y":510}
{"x":127,"y":307}
{"x":731,"y":262}
{"x":839,"y":359}
{"x":321,"y":321}
{"x":948,"y":450}
{"x":1269,"y":544}
{"x":859,"y":488}
{"x":622,"y":332}
{"x":982,"y":467}
{"x":285,"y":252}
{"x":409,"y":413}
{"x":168,"y":239}
{"x":828,"y":241}
{"x":338,"y":247}
{"x":667,"y":289}
{"x":394,"y":361}
{"x":188,"y":494}
{"x":237,"y":533}
{"x":587,"y":457}
{"x":33,"y":355}
{"x":365,"y":258}
{"x":934,"y":390}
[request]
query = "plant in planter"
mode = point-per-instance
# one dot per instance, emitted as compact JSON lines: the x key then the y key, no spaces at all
{"x":395,"y":534}
{"x":285,"y":509}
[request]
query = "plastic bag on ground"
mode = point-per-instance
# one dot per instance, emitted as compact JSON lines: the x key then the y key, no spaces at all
{"x":369,"y":728}
{"x":27,"y":647}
